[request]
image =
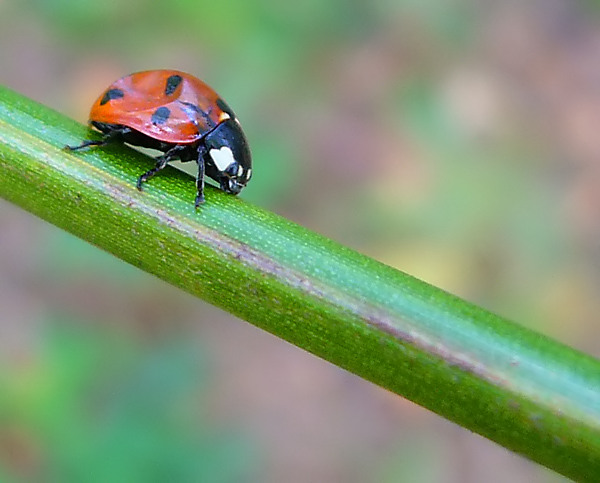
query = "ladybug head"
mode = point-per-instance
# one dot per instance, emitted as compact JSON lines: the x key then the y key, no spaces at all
{"x":227,"y":157}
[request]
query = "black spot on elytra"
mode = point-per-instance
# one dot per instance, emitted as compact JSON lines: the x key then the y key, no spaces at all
{"x":225,"y":108}
{"x":189,"y":107}
{"x":161,"y":115}
{"x":111,"y":94}
{"x":172,"y":84}
{"x":194,"y":113}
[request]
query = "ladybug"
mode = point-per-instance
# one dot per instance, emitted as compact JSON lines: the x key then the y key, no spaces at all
{"x":180,"y":115}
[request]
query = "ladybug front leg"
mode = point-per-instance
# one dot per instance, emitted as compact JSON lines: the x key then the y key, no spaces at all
{"x":200,"y":177}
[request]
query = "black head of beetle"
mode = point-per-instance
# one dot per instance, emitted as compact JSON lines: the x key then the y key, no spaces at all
{"x":227,"y":156}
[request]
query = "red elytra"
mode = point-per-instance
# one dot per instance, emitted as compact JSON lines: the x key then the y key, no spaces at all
{"x":145,"y":92}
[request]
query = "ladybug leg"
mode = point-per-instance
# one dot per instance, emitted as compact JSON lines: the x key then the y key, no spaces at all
{"x":85,"y":144}
{"x":114,"y":135}
{"x":161,"y":163}
{"x":200,"y":178}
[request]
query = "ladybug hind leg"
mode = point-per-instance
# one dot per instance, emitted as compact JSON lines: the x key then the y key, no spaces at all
{"x":86,"y":144}
{"x":109,"y":137}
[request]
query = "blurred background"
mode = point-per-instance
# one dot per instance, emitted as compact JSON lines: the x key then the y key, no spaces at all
{"x":457,"y":141}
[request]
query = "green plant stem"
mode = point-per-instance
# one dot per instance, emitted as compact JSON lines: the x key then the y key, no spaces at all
{"x":518,"y":388}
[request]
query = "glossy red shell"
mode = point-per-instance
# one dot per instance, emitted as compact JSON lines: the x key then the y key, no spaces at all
{"x":192,"y":106}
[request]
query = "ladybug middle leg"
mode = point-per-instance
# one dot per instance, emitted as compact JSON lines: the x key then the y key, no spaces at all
{"x":161,"y":163}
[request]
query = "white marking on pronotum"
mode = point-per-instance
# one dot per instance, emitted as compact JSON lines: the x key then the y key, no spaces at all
{"x":249,"y":174}
{"x":222,"y":157}
{"x":240,"y":171}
